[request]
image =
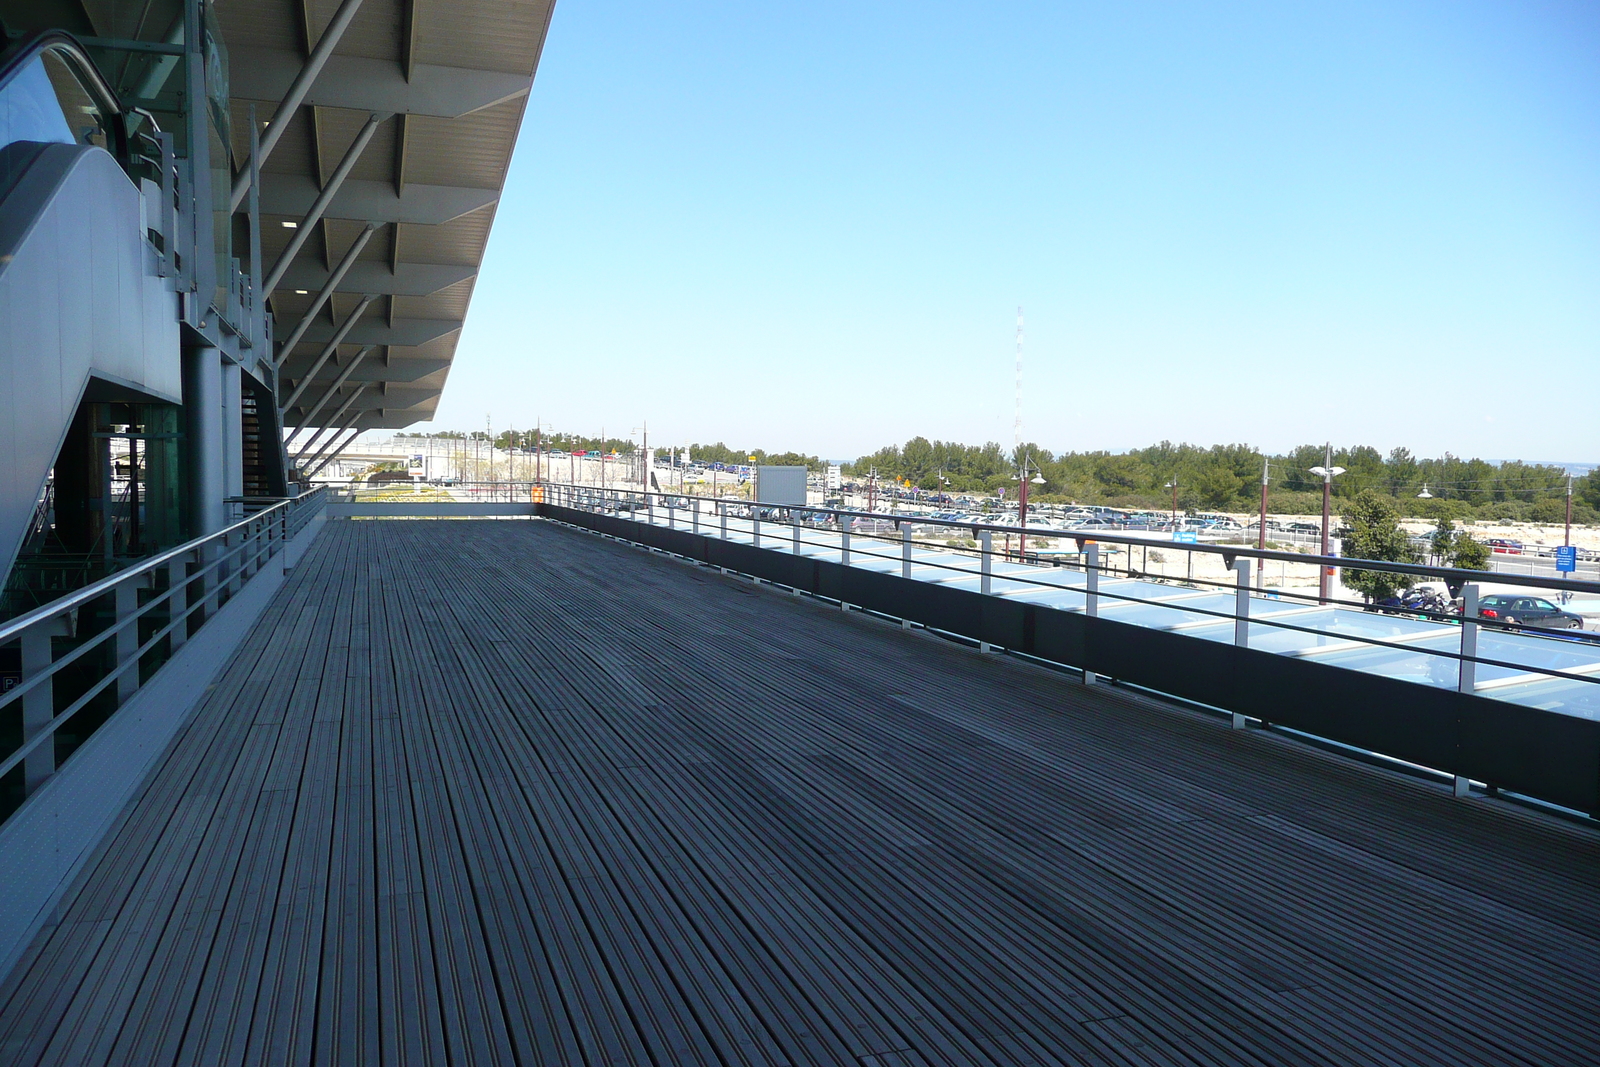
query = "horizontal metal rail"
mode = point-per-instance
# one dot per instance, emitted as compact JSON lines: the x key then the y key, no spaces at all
{"x":1464,"y":658}
{"x":1443,"y":720}
{"x":187,"y":586}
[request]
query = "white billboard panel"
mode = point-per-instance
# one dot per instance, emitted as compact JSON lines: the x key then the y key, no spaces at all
{"x":781,"y":485}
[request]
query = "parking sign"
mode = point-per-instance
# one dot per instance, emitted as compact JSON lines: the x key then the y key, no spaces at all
{"x":1566,"y":558}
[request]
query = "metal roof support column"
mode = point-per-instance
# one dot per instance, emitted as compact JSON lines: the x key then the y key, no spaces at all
{"x":328,"y":350}
{"x":338,"y":383}
{"x":327,"y":291}
{"x":315,"y":443}
{"x":258,"y":295}
{"x":297,"y":91}
{"x":309,"y":459}
{"x":320,"y":204}
{"x":334,"y":453}
{"x":333,"y":423}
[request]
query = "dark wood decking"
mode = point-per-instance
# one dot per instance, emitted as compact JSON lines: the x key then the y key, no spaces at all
{"x":501,"y":792}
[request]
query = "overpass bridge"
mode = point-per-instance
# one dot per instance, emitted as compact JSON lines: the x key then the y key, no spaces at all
{"x":516,"y":789}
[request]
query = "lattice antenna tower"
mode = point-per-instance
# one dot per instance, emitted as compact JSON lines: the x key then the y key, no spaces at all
{"x":1016,"y":427}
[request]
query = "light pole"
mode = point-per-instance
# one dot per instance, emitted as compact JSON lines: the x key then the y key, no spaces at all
{"x":643,"y":430}
{"x":1022,"y":480}
{"x":1173,"y":485}
{"x":1568,"y":541}
{"x":1261,"y":528}
{"x":1328,"y":472}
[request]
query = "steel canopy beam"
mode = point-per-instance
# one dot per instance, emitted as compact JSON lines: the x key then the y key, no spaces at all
{"x":402,"y":333}
{"x":327,"y":291}
{"x":329,"y":349}
{"x":319,"y":462}
{"x":338,"y":383}
{"x":291,"y":98}
{"x":425,"y":205}
{"x":411,"y":279}
{"x":320,"y":204}
{"x":357,"y":83}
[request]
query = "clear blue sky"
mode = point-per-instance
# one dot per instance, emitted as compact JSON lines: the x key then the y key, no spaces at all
{"x":810,"y":225}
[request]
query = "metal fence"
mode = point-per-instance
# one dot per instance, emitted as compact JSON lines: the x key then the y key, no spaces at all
{"x":77,"y":659}
{"x":1482,"y":711}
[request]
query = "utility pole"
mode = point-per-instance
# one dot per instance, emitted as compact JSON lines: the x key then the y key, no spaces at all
{"x":1568,"y":541}
{"x":1261,"y":529}
{"x":1328,"y":471}
{"x":1016,"y":426}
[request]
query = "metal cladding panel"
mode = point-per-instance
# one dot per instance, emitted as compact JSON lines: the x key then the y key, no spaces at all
{"x":76,"y":283}
{"x":1525,"y":750}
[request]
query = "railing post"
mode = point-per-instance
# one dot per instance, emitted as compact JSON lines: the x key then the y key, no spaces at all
{"x":795,"y":525}
{"x":672,"y":516}
{"x":986,"y":572}
{"x":985,"y":561}
{"x":1241,"y":621}
{"x":844,"y":555}
{"x":38,"y":704}
{"x":755,"y":526}
{"x":694,"y":514}
{"x":1467,"y":677}
{"x":1241,"y":604}
{"x":126,"y":603}
{"x":234,"y":542}
{"x":284,"y":538}
{"x":177,"y":602}
{"x":905,"y":562}
{"x":209,"y":579}
{"x":1091,"y":596}
{"x":1091,"y":574}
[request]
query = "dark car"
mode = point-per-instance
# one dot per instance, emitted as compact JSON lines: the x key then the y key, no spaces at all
{"x":1527,"y":611}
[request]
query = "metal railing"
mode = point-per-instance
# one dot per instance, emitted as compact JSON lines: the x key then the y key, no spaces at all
{"x":87,"y":653}
{"x":856,"y":535}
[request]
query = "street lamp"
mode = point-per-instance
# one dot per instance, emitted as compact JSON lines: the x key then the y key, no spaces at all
{"x":1328,"y":472}
{"x":1173,"y":485}
{"x":1568,"y":541}
{"x":1261,"y":524}
{"x":1424,"y":495}
{"x":1023,"y":481}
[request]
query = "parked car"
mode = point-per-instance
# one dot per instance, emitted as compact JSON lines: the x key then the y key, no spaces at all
{"x":1529,"y":612}
{"x":1505,"y":546}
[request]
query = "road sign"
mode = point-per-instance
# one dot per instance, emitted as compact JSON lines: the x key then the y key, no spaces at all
{"x":1566,"y":558}
{"x":1185,"y":537}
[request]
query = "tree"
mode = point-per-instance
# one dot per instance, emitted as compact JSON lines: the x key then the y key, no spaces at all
{"x":1217,"y":487}
{"x":1375,"y":533}
{"x":1586,"y":490}
{"x":1469,"y":554}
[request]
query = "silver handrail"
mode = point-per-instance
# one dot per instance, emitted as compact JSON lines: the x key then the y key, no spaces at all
{"x":202,"y":576}
{"x":593,"y":498}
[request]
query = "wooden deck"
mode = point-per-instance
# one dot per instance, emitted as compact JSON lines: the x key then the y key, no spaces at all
{"x":507,"y":793}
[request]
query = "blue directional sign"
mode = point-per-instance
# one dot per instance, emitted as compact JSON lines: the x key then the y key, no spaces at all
{"x":1185,"y":537}
{"x":1566,"y":558}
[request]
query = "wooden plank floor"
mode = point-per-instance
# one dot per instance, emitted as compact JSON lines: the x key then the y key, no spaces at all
{"x":507,"y":793}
